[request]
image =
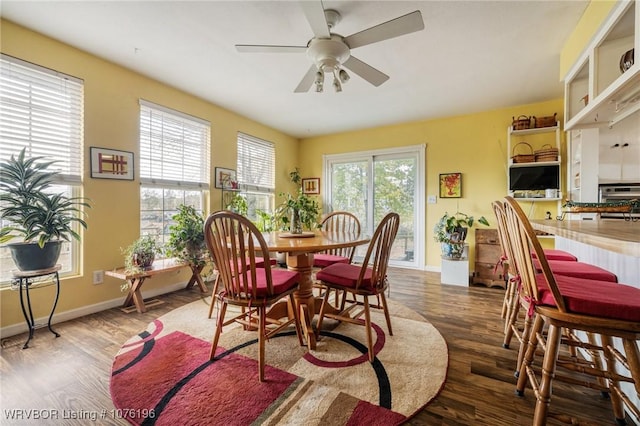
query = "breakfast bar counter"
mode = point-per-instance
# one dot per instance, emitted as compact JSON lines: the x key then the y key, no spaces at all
{"x":616,"y":235}
{"x":612,"y":244}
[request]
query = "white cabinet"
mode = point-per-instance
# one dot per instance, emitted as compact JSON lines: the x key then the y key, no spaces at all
{"x":530,"y":180}
{"x":597,"y":91}
{"x":620,"y":152}
{"x":582,"y":168}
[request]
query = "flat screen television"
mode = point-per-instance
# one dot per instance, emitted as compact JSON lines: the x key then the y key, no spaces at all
{"x":534,"y":178}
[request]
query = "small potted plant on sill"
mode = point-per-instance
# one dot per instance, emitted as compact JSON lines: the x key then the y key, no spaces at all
{"x":451,"y":231}
{"x":32,"y":211}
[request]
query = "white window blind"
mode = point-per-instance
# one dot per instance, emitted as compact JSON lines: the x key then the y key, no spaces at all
{"x":174,"y":148}
{"x":256,"y":164}
{"x":41,"y":110}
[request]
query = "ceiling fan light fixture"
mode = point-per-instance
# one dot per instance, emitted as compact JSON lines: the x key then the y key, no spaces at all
{"x":319,"y":81}
{"x":344,"y":77}
{"x":336,"y":85}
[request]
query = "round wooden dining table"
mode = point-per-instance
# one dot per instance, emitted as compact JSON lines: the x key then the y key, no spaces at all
{"x":299,"y":249}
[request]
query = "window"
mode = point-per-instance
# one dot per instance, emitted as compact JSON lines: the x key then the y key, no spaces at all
{"x":256,"y":173}
{"x":174,"y":166}
{"x":42,"y":110}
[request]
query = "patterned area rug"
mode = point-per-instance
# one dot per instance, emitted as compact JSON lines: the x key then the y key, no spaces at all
{"x":163,"y":376}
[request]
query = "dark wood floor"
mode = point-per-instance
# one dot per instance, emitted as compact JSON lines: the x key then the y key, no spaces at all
{"x":70,"y":374}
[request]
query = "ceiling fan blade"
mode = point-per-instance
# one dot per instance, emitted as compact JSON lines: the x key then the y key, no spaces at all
{"x":258,"y":48}
{"x":314,"y":11}
{"x":366,"y":71}
{"x":307,"y":80}
{"x":402,"y":25}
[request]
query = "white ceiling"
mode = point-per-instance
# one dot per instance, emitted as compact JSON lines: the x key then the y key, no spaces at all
{"x":472,"y":55}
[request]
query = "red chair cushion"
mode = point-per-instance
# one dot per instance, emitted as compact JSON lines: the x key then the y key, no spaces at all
{"x":553,"y":254}
{"x":322,"y":260}
{"x":260,"y":262}
{"x":345,"y":274}
{"x":283,"y":280}
{"x":578,"y":270}
{"x":592,"y":297}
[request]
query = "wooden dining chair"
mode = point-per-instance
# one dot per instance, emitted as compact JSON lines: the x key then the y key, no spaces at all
{"x":338,"y":222}
{"x":233,"y":242}
{"x":559,"y":303}
{"x":365,"y":281}
{"x":216,"y":283}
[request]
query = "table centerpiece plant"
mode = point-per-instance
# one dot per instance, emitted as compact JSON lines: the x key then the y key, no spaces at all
{"x":451,"y":231}
{"x":298,"y":211}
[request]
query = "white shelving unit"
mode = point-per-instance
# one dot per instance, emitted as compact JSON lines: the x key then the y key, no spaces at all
{"x":597,"y":92}
{"x":582,"y":169}
{"x":537,"y":138}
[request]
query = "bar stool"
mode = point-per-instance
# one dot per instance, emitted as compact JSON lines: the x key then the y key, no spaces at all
{"x":561,"y":303}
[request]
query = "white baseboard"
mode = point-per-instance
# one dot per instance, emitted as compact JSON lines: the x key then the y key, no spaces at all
{"x":12,"y":330}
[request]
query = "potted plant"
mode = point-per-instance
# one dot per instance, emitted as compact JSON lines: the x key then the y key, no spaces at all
{"x":451,"y":231}
{"x":299,"y":211}
{"x":140,"y":254}
{"x":30,"y":210}
{"x":238,"y":204}
{"x":186,"y":237}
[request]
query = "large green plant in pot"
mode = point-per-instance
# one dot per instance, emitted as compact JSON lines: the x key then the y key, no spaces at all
{"x":30,"y":211}
{"x":186,"y":237}
{"x":451,"y":231}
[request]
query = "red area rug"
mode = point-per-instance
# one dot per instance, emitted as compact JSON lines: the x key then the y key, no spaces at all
{"x":163,"y":376}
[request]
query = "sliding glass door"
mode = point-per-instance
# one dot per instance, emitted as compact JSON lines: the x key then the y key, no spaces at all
{"x":371,"y":184}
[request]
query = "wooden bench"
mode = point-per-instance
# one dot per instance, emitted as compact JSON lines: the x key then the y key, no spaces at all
{"x":134,"y":300}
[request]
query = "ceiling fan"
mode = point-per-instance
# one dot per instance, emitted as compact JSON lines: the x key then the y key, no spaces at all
{"x":331,"y":52}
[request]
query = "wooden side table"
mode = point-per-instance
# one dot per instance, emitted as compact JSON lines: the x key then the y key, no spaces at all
{"x":23,"y":281}
{"x":487,"y":270}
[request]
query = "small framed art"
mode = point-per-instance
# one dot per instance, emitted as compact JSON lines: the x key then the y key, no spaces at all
{"x":311,"y":185}
{"x":111,"y":164}
{"x":225,"y":178}
{"x":450,"y":185}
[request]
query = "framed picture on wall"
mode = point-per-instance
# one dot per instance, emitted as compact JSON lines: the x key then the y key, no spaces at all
{"x":311,"y":185}
{"x":450,"y":185}
{"x":225,"y":178}
{"x":111,"y":164}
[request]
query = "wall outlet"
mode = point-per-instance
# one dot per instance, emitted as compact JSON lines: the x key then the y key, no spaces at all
{"x":431,"y":199}
{"x":98,"y":277}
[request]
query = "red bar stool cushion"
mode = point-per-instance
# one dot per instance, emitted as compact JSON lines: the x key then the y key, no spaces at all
{"x":578,"y":270}
{"x":553,"y":254}
{"x":593,"y":297}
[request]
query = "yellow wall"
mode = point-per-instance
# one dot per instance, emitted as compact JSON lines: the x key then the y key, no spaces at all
{"x":111,"y":121}
{"x":472,"y":144}
{"x":590,"y":22}
{"x":475,"y":145}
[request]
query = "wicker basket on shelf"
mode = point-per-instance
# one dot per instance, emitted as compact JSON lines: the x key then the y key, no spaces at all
{"x":521,"y":123}
{"x":548,"y":121}
{"x":523,"y":158}
{"x":546,"y":153}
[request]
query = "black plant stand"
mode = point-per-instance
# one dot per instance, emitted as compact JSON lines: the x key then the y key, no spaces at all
{"x":23,"y":281}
